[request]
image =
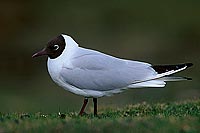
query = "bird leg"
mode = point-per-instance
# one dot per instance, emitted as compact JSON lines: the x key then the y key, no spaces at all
{"x":95,"y":106}
{"x":83,"y":107}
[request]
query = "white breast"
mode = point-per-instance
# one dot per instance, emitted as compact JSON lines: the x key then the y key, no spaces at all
{"x":54,"y":68}
{"x":56,"y":65}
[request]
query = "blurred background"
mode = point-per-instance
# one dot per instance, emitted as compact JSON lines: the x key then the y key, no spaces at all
{"x":158,"y":32}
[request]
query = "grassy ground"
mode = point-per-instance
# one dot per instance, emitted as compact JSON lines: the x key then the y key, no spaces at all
{"x":143,"y":117}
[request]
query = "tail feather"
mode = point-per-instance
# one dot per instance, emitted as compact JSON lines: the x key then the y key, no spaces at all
{"x":168,"y":78}
{"x":150,"y":83}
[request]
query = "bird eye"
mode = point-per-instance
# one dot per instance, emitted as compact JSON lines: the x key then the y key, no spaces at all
{"x":55,"y":47}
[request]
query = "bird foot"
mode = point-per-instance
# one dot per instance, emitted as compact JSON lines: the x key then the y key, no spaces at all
{"x":82,"y":113}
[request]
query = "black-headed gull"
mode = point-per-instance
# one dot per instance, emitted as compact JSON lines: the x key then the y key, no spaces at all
{"x":93,"y":74}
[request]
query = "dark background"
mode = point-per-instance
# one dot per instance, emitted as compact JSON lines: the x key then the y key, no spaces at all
{"x":166,"y":32}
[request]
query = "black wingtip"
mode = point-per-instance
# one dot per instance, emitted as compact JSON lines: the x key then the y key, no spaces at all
{"x":165,"y":68}
{"x":187,"y":78}
{"x":189,"y":64}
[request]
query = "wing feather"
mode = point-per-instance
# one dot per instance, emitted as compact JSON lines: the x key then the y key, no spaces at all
{"x":93,"y":70}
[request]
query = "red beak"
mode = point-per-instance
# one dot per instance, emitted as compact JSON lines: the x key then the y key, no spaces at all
{"x":40,"y":53}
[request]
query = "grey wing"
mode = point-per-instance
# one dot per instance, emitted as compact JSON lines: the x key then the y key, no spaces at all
{"x":93,"y":70}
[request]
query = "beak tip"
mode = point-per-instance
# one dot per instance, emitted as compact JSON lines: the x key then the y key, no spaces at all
{"x":40,"y":53}
{"x":34,"y":55}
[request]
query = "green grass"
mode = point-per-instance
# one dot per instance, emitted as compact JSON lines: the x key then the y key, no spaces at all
{"x":143,"y":117}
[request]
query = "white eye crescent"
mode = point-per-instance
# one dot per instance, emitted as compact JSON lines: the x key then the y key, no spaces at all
{"x":56,"y":47}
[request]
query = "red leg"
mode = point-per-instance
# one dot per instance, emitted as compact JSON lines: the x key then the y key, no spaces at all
{"x":83,"y":107}
{"x":95,"y":106}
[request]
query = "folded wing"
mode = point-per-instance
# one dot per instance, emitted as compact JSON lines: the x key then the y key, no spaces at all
{"x":93,"y":70}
